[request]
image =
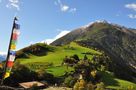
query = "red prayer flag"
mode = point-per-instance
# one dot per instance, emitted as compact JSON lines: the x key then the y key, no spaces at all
{"x":10,"y":64}
{"x":15,"y":36}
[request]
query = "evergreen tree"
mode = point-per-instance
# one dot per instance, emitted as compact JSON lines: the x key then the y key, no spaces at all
{"x":75,"y":56}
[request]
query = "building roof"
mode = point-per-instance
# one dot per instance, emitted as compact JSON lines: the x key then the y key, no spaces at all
{"x":30,"y":84}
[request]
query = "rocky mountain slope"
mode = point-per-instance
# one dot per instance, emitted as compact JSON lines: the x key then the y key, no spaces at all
{"x":116,"y":41}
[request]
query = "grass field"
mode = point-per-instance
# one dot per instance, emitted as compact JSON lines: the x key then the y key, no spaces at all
{"x":53,"y":60}
{"x":52,"y":63}
{"x":59,"y":70}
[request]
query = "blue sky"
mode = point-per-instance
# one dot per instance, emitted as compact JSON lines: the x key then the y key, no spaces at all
{"x":47,"y":20}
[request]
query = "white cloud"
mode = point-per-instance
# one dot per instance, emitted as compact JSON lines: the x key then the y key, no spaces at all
{"x":131,"y":6}
{"x":13,"y":4}
{"x":64,"y":7}
{"x":73,"y":10}
{"x":3,"y":53}
{"x":61,"y":34}
{"x":31,"y":42}
{"x":48,"y":41}
{"x":14,"y":1}
{"x":132,"y":16}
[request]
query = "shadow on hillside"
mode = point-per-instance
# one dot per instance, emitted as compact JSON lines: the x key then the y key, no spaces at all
{"x":109,"y":79}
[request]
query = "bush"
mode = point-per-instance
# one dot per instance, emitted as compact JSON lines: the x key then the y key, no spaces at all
{"x":90,"y":86}
{"x":75,"y":57}
{"x":76,"y":86}
{"x":100,"y":86}
{"x":80,"y":85}
{"x":43,"y":75}
{"x":85,"y":57}
{"x":130,"y":87}
{"x":21,"y":73}
{"x":69,"y":81}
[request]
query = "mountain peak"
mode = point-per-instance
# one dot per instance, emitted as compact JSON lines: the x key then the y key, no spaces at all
{"x":101,"y":28}
{"x":101,"y":21}
{"x":96,"y":22}
{"x":123,"y":28}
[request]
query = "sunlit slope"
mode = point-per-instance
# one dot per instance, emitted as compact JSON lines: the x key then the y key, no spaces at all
{"x":59,"y":53}
{"x":52,"y":60}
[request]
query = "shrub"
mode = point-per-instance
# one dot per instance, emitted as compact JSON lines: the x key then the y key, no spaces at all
{"x":76,"y":86}
{"x":69,"y":81}
{"x":100,"y":86}
{"x":90,"y":86}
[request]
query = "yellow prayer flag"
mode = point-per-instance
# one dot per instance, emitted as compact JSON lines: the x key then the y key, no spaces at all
{"x":7,"y":74}
{"x":13,"y":47}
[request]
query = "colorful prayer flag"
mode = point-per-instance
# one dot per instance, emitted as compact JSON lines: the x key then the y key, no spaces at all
{"x":11,"y":51}
{"x":15,"y":36}
{"x":16,"y":26}
{"x":7,"y":74}
{"x":11,"y":58}
{"x":13,"y":47}
{"x":10,"y":64}
{"x":13,"y":42}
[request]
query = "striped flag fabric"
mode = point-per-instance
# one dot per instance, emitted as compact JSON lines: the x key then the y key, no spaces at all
{"x":12,"y":48}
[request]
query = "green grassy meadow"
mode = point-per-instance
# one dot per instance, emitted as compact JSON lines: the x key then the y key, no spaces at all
{"x":53,"y":60}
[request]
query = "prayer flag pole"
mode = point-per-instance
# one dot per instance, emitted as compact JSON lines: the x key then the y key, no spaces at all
{"x":9,"y":51}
